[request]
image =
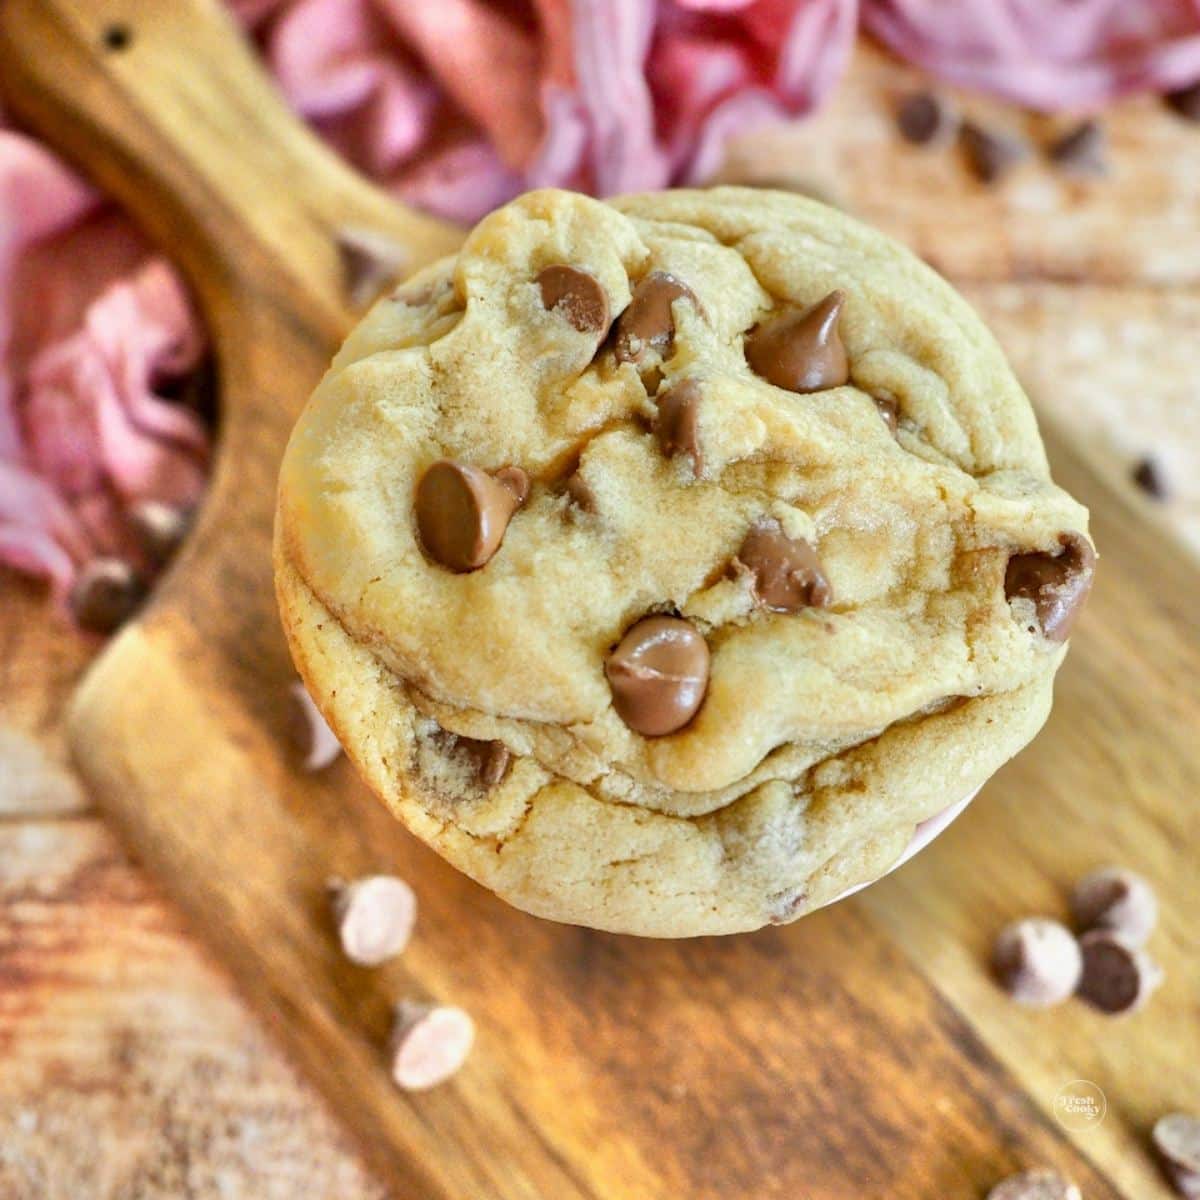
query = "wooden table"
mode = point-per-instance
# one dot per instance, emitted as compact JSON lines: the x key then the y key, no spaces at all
{"x":130,"y":1068}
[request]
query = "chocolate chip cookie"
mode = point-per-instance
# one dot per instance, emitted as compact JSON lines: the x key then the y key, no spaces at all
{"x":663,"y":563}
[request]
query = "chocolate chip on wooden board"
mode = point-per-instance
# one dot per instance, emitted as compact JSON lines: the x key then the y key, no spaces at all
{"x":1042,"y":1183}
{"x":375,"y":916}
{"x":463,"y":511}
{"x":801,"y":351}
{"x":160,"y":528}
{"x":1118,"y":900}
{"x":648,"y":323}
{"x":658,"y":673}
{"x":1081,"y":150}
{"x":370,"y":262}
{"x":576,"y":295}
{"x":314,"y":744}
{"x":1176,"y":1139}
{"x":1118,"y":977}
{"x":989,"y":154}
{"x":106,"y":594}
{"x":1037,"y":961}
{"x":677,"y":423}
{"x":1148,"y":475}
{"x":1185,"y":102}
{"x":1058,"y":584}
{"x":924,"y":119}
{"x":428,"y":1044}
{"x":785,"y":573}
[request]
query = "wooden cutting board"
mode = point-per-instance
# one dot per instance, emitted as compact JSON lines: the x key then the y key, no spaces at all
{"x":860,"y":1053}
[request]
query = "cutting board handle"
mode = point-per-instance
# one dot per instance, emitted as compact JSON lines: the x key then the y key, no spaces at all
{"x":166,"y":107}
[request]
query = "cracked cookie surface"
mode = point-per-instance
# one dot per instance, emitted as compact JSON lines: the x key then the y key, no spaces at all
{"x":845,"y":571}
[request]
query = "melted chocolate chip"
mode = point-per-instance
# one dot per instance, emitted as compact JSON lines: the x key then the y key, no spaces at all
{"x":678,"y":422}
{"x":923,"y":118}
{"x":576,"y":296}
{"x":990,"y":155}
{"x":648,"y":324}
{"x":658,"y":673}
{"x":1117,"y":977}
{"x":801,"y":351}
{"x":462,"y":512}
{"x":491,"y":759}
{"x":785,"y":573}
{"x":1058,"y":584}
{"x":107,"y":591}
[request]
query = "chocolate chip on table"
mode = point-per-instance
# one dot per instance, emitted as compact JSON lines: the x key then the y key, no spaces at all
{"x":648,"y":323}
{"x":575,"y":295}
{"x":1149,"y":477}
{"x":1037,"y":962}
{"x":1058,"y":584}
{"x":990,"y":155}
{"x":785,"y":573}
{"x":370,"y":262}
{"x":428,"y":1044}
{"x":1080,"y":151}
{"x":462,"y":511}
{"x":1185,"y":102}
{"x":801,"y":351}
{"x":924,"y":118}
{"x":1042,"y":1183}
{"x":1118,"y":900}
{"x":106,"y":594}
{"x":678,"y":422}
{"x":315,"y":745}
{"x":375,"y":916}
{"x":1176,"y":1139}
{"x":658,"y":673}
{"x":160,"y":528}
{"x":1118,"y":977}
{"x":889,"y":409}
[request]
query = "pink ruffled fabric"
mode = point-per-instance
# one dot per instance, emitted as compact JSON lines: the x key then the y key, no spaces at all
{"x":1046,"y":54}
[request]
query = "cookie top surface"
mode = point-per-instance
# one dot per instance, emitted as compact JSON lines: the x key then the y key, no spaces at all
{"x":687,"y":499}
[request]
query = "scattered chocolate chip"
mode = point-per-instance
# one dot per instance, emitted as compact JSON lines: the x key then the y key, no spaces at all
{"x":1149,"y":477}
{"x":375,"y":917}
{"x":1185,"y":102}
{"x":1037,"y":961}
{"x":889,"y":409}
{"x":576,"y":296}
{"x":462,"y":511}
{"x":1117,"y":900}
{"x":106,"y":594}
{"x":1118,"y":977}
{"x":314,"y":743}
{"x":658,"y":673}
{"x":785,"y":573}
{"x":1080,"y":151}
{"x":1039,"y":1184}
{"x":491,"y":758}
{"x":678,"y":422}
{"x":990,"y":155}
{"x":801,"y":351}
{"x":160,"y":528}
{"x":370,"y":262}
{"x":428,"y":1044}
{"x":924,"y":118}
{"x":1176,"y":1138}
{"x":1058,"y":584}
{"x":648,"y":323}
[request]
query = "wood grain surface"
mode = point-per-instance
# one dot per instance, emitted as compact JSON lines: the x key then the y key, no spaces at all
{"x":860,"y":1053}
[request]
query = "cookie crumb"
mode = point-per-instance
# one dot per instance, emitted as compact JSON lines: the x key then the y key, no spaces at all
{"x":314,"y":743}
{"x":1037,"y":961}
{"x":375,"y":917}
{"x":429,"y":1043}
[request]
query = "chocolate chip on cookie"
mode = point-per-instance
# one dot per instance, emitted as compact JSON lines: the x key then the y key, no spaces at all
{"x":1037,"y":961}
{"x":785,"y":573}
{"x":1038,"y":1184}
{"x":462,"y":512}
{"x":678,"y":422}
{"x":648,"y":323}
{"x":801,"y":351}
{"x":1058,"y":584}
{"x":658,"y":673}
{"x":576,"y":296}
{"x":1176,"y":1138}
{"x":491,"y":759}
{"x":1118,"y":900}
{"x":1118,"y":977}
